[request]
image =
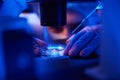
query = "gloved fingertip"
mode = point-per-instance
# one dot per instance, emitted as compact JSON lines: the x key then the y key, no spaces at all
{"x":81,"y":53}
{"x":84,"y":53}
{"x":70,"y":53}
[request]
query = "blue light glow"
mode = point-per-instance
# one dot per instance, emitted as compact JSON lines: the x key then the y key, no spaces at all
{"x":54,"y":50}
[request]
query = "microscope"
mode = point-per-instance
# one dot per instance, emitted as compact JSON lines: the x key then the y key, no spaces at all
{"x":53,"y":12}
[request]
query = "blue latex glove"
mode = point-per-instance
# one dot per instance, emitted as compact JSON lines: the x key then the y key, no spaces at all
{"x":13,"y":7}
{"x":84,"y":42}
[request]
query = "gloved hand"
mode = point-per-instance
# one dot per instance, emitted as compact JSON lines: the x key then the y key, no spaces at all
{"x":37,"y":44}
{"x":13,"y":7}
{"x":84,"y":42}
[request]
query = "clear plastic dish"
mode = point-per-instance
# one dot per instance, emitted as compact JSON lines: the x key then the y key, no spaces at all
{"x":53,"y":50}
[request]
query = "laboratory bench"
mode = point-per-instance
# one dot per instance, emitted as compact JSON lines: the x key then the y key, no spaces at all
{"x":63,"y":68}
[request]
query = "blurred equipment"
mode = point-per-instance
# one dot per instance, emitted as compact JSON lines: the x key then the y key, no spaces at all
{"x":17,"y":49}
{"x":1,"y":0}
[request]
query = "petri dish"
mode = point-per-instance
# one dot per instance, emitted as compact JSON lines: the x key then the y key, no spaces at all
{"x":53,"y":50}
